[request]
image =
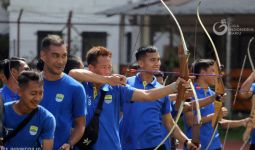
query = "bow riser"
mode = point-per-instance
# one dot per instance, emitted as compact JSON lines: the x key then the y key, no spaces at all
{"x":184,"y":74}
{"x":219,"y":90}
{"x":183,"y":63}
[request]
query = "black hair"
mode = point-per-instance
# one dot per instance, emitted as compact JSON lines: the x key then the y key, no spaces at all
{"x":142,"y":51}
{"x":201,"y":64}
{"x":26,"y":76}
{"x":51,"y":40}
{"x":39,"y":64}
{"x":73,"y":62}
{"x":13,"y":62}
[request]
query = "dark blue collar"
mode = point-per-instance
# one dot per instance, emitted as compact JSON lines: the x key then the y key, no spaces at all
{"x":153,"y":83}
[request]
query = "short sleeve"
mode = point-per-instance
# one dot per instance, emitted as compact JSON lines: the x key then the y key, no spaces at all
{"x":79,"y":101}
{"x":48,"y":128}
{"x":126,"y":93}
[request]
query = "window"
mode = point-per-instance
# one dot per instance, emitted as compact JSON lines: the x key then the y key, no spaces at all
{"x":90,"y":39}
{"x":43,"y":34}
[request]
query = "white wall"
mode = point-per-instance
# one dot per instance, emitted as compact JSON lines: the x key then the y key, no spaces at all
{"x":57,"y":11}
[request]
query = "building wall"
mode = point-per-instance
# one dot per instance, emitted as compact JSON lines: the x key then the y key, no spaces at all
{"x":56,"y":12}
{"x":4,"y":28}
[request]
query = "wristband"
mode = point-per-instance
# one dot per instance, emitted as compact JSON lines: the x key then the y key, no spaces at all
{"x":185,"y":143}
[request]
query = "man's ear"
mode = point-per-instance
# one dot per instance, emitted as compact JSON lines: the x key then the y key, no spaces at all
{"x":14,"y":72}
{"x":20,"y":91}
{"x":91,"y":67}
{"x":42,"y":55}
{"x":140,"y":63}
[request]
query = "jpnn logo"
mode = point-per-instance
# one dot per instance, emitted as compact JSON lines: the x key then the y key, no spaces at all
{"x":222,"y":27}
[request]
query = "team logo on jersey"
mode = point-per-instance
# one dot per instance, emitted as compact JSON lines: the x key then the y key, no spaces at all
{"x":108,"y":99}
{"x":59,"y":97}
{"x":33,"y":130}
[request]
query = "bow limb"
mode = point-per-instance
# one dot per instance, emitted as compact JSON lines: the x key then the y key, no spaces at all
{"x":183,"y":57}
{"x":172,"y":129}
{"x":197,"y":103}
{"x":236,"y":93}
{"x":249,"y":55}
{"x":181,"y":92}
{"x":250,"y":124}
{"x":178,"y":25}
{"x":182,"y":54}
{"x":219,"y":86}
{"x":208,"y":35}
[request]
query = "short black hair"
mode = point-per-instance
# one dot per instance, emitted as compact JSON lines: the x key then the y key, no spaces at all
{"x":26,"y":76}
{"x":142,"y":51}
{"x":201,"y":64}
{"x":73,"y":62}
{"x":13,"y":62}
{"x":51,"y":39}
{"x":39,"y":64}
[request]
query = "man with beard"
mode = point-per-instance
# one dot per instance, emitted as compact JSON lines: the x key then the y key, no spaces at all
{"x":64,"y":97}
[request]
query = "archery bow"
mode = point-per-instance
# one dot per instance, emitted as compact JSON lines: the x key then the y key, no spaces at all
{"x":183,"y":57}
{"x":219,"y":86}
{"x":236,"y":93}
{"x":250,"y":124}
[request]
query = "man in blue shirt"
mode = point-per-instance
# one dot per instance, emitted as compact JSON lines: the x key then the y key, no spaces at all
{"x":100,"y":68}
{"x":142,"y":121}
{"x":11,"y":68}
{"x":39,"y":131}
{"x":63,"y":96}
{"x":202,"y":68}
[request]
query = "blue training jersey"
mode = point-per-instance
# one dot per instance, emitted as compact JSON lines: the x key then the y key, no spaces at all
{"x":40,"y":127}
{"x":8,"y":95}
{"x":66,"y":100}
{"x":108,"y":137}
{"x":142,"y":121}
{"x":206,"y":129}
